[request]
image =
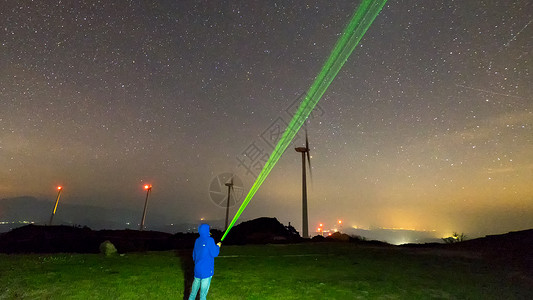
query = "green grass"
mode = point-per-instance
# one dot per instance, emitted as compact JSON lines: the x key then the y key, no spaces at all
{"x":303,"y":271}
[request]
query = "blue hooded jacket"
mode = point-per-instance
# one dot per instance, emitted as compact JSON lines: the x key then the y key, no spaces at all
{"x":204,"y":253}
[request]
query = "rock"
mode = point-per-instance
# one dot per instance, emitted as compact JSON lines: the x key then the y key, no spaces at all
{"x":107,"y":248}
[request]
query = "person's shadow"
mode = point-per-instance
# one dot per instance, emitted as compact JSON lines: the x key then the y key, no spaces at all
{"x":187,"y":266}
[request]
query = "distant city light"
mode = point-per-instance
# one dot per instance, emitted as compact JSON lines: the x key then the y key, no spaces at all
{"x":16,"y":222}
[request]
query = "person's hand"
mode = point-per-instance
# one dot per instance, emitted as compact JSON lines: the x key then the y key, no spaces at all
{"x":219,"y":244}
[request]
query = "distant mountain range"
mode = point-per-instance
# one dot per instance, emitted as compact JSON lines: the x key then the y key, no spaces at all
{"x":19,"y":211}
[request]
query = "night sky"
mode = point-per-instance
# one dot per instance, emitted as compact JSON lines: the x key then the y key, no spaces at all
{"x":428,"y":126}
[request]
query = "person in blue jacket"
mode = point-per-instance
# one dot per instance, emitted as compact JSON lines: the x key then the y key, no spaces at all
{"x":204,"y":253}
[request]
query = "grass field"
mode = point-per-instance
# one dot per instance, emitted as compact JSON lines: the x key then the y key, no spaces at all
{"x":301,"y":271}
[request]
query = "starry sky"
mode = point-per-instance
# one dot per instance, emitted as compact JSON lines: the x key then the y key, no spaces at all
{"x":428,"y":126}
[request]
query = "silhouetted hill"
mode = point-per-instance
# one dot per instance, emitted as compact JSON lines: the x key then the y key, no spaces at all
{"x":513,"y":248}
{"x":52,"y":239}
{"x":511,"y":241}
{"x":261,"y":231}
{"x":515,"y":242}
{"x":41,"y":239}
{"x":61,"y":238}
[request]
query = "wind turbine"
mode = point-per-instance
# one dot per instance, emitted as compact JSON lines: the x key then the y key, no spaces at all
{"x":230,"y":187}
{"x":59,"y":189}
{"x":148,"y":188}
{"x":305,"y":152}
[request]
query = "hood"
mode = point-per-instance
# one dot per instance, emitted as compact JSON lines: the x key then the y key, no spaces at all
{"x":203,"y":230}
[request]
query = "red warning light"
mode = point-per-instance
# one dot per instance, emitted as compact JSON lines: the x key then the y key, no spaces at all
{"x":59,"y":188}
{"x":147,"y":187}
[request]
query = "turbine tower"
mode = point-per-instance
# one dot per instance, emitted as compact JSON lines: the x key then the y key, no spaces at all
{"x":305,"y":152}
{"x":230,"y":187}
{"x":148,"y":188}
{"x":59,"y":189}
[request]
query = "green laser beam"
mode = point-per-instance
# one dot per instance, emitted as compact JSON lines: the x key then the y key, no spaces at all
{"x":352,"y":34}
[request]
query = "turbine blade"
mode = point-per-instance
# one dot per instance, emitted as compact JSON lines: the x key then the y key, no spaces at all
{"x":307,"y":152}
